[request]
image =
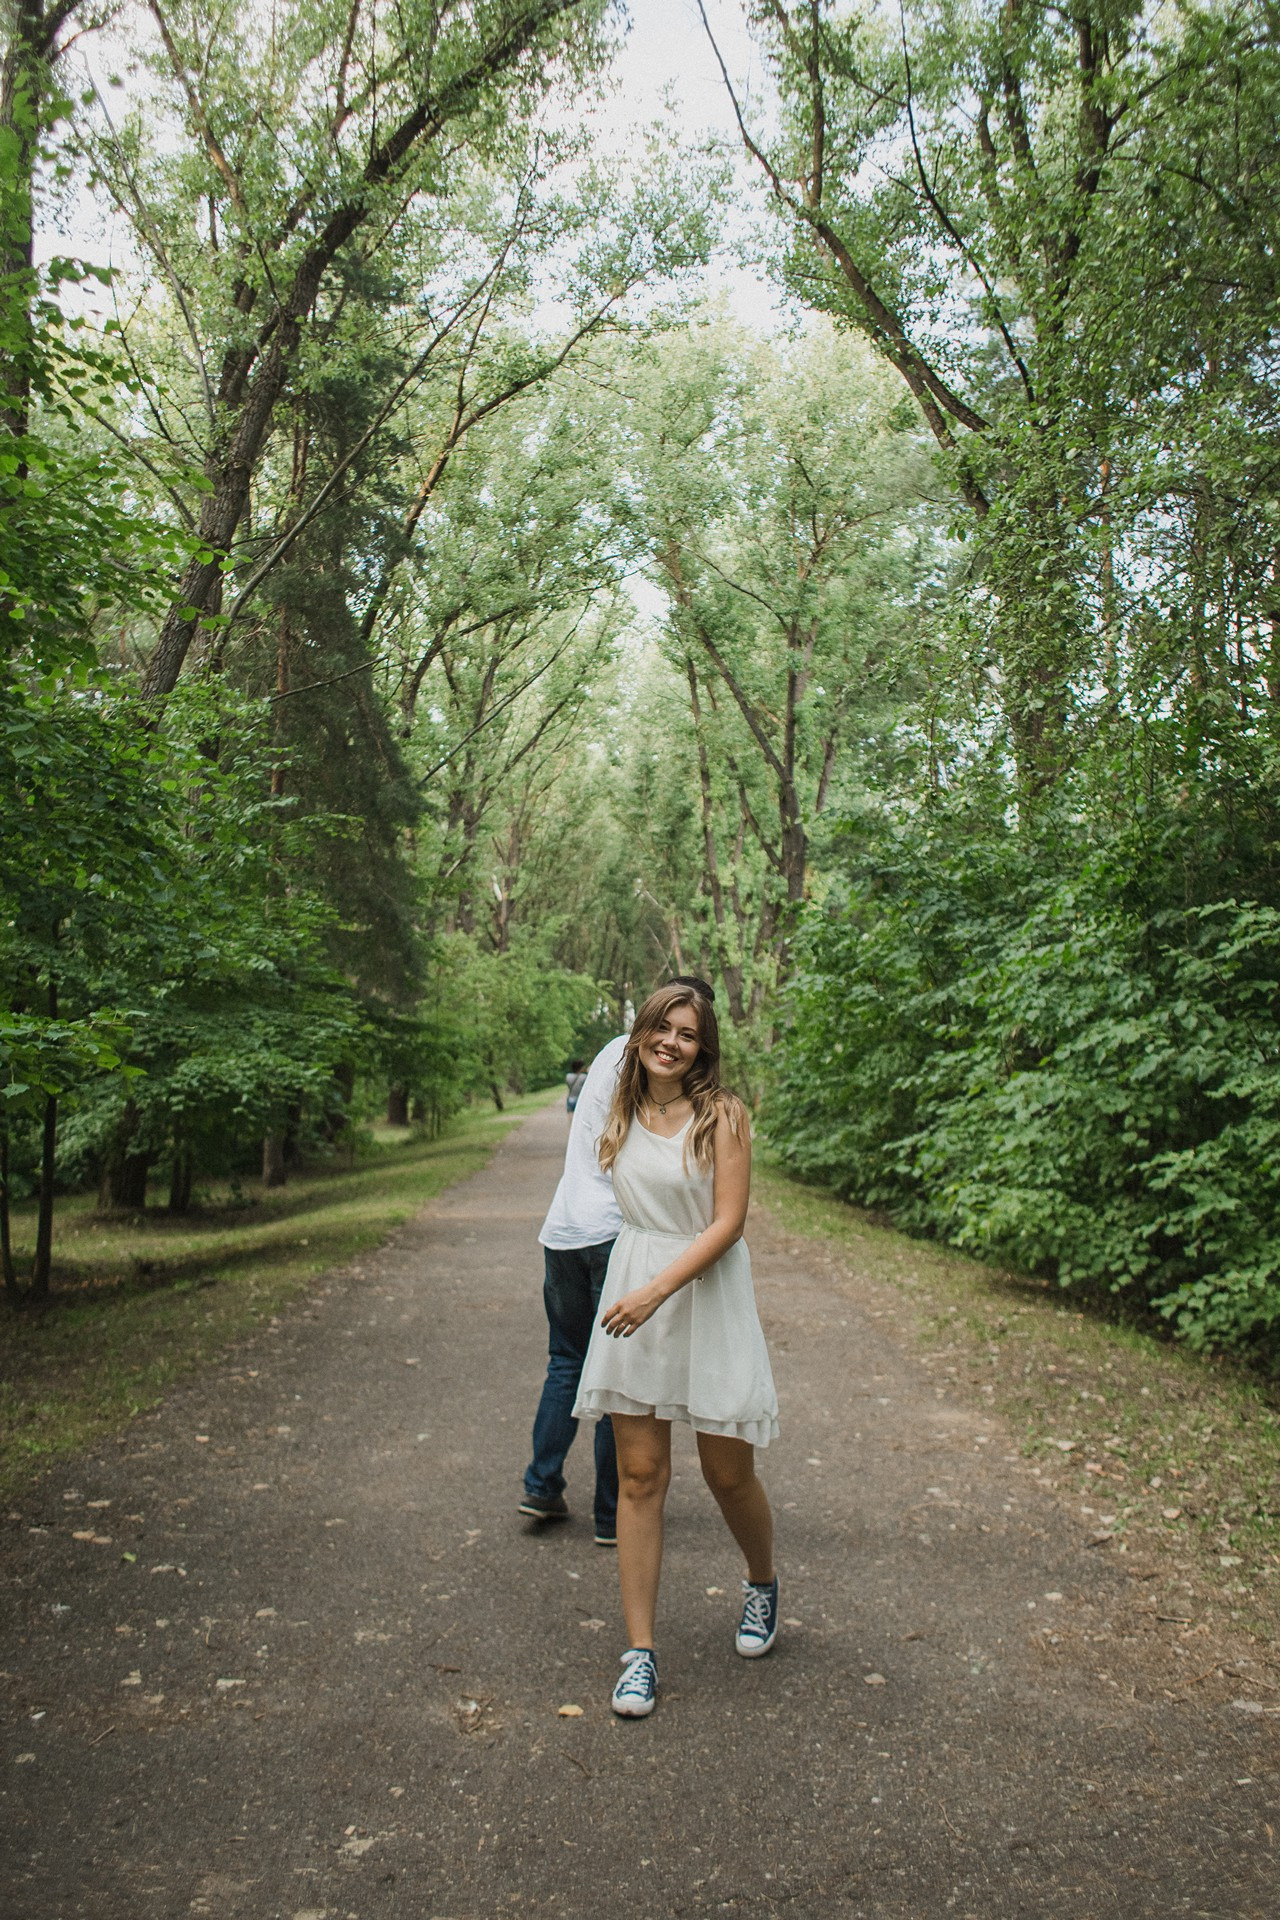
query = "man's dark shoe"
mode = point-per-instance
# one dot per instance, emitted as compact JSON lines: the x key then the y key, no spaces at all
{"x":544,"y":1506}
{"x":606,"y":1533}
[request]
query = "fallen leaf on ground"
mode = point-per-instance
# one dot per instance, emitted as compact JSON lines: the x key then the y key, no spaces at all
{"x":873,"y":1680}
{"x":570,"y":1713}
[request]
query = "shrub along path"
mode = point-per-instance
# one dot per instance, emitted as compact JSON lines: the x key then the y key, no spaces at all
{"x":287,"y":1649}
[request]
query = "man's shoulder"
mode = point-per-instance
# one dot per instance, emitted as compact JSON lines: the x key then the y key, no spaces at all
{"x":609,"y":1055}
{"x":601,"y":1076}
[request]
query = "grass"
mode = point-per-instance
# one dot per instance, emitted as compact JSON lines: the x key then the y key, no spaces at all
{"x":140,"y":1303}
{"x":1169,"y":1456}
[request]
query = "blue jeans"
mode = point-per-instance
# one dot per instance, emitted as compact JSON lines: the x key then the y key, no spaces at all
{"x":574,"y":1277}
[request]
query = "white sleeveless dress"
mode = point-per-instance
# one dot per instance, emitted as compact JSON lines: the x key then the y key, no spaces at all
{"x":702,"y":1357}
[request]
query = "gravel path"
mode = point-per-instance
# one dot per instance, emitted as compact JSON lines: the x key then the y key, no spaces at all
{"x":287,"y":1651}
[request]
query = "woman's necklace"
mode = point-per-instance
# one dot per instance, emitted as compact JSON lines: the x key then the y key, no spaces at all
{"x":672,"y":1099}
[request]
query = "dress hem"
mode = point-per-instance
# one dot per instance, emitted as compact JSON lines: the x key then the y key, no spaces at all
{"x":757,"y":1432}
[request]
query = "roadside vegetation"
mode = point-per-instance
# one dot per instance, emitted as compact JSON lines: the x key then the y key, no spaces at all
{"x":1162,"y":1456}
{"x":143,"y":1300}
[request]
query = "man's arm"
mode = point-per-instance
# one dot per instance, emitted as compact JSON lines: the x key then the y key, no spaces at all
{"x":596,"y":1097}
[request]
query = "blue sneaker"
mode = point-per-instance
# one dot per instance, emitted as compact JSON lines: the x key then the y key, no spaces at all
{"x":637,"y":1689}
{"x":758,"y":1627}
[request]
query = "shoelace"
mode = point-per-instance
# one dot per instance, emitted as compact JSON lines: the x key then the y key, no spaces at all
{"x":755,"y":1612}
{"x":639,"y":1678}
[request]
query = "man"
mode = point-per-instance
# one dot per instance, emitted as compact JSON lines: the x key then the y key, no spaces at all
{"x":577,"y":1238}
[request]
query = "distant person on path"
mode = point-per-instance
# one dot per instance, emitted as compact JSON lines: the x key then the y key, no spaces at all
{"x":577,"y":1238}
{"x":678,"y":1337}
{"x":575,"y":1080}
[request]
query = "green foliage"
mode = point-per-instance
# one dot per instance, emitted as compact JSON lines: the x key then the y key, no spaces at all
{"x":1045,"y":1047}
{"x":158,"y":969}
{"x":1060,"y":228}
{"x":71,"y":540}
{"x":782,"y":492}
{"x":508,"y":1020}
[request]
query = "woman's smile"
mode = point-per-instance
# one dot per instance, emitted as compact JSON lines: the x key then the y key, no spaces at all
{"x":669,"y":1053}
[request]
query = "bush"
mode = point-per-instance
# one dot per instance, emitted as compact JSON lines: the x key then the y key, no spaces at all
{"x":1013,"y":1041}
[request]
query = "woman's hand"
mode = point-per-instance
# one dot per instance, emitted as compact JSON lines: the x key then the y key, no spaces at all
{"x":634,"y":1308}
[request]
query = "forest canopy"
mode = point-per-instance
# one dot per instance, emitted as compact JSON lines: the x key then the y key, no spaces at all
{"x":436,"y":606}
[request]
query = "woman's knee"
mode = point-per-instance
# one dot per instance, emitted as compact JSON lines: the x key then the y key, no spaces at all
{"x":643,"y":1476}
{"x":727,"y":1470}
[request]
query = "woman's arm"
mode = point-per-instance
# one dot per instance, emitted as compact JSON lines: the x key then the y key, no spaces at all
{"x":730,"y":1195}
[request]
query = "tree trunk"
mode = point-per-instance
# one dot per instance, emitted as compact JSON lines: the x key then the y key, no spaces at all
{"x":133,"y":1182}
{"x":24,"y":86}
{"x":13,"y":1293}
{"x":180,"y":1179}
{"x":43,"y":1260}
{"x":122,"y":1186}
{"x":41,"y":1265}
{"x":398,"y":1106}
{"x":256,"y":375}
{"x":274,"y":1173}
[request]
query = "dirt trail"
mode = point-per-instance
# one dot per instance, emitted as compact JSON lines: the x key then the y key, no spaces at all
{"x":308,"y":1661}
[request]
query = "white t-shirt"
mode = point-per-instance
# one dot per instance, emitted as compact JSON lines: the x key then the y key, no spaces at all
{"x":584,"y":1212}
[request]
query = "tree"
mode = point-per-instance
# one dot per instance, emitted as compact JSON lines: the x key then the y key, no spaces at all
{"x":784,"y":498}
{"x":358,"y":110}
{"x":1059,"y":229}
{"x":29,"y":108}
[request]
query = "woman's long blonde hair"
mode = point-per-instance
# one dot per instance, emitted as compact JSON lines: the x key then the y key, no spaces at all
{"x":701,"y":1083}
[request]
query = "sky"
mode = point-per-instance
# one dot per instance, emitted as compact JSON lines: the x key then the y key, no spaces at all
{"x":668,"y":48}
{"x":666,"y":54}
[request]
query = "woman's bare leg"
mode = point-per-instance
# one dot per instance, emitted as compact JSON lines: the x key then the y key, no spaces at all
{"x":644,"y":1474}
{"x":729,"y":1469}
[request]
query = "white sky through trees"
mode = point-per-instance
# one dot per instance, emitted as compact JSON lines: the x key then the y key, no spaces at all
{"x":664,"y":60}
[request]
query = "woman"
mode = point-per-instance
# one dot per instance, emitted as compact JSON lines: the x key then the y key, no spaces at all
{"x":678,"y":1336}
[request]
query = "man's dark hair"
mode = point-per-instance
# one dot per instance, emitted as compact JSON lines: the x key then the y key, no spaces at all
{"x":703,"y":987}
